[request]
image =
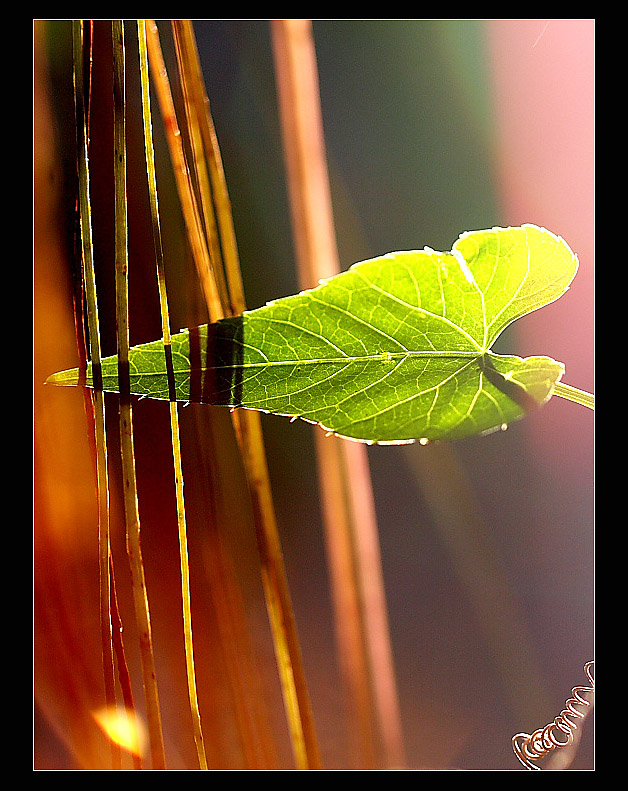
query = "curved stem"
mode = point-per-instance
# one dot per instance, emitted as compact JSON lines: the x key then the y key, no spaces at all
{"x":573,"y":394}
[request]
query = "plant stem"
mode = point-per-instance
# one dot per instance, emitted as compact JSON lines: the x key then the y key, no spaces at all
{"x":174,"y":415}
{"x":573,"y":394}
{"x":98,"y":406}
{"x":220,"y":194}
{"x":124,"y":676}
{"x":231,"y":624}
{"x":191,"y":81}
{"x":248,"y":432}
{"x":189,"y":204}
{"x":351,"y":526}
{"x":131,"y":510}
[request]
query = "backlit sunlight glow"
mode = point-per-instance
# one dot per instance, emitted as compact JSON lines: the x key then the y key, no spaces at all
{"x":123,"y":728}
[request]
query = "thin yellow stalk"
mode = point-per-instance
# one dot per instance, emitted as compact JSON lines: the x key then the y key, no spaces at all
{"x":98,"y":406}
{"x":248,"y":431}
{"x":215,"y":307}
{"x":277,"y":593}
{"x":140,"y":598}
{"x":574,"y":394}
{"x":257,"y":739}
{"x":189,"y":204}
{"x":174,"y":415}
{"x":124,"y":676}
{"x":199,"y":163}
{"x":220,"y":193}
{"x":345,"y":478}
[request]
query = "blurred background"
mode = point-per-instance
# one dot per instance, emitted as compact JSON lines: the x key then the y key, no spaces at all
{"x":432,"y":128}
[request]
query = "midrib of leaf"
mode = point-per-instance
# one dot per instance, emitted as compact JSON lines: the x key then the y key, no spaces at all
{"x":347,"y":358}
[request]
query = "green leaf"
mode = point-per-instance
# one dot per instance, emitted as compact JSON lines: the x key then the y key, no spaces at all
{"x":396,"y":349}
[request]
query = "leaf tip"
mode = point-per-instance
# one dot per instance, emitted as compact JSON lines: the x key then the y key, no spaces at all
{"x":69,"y":378}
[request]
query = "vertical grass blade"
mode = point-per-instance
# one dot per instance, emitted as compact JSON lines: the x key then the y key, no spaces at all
{"x":198,"y":166}
{"x":252,"y":727}
{"x":124,"y":676}
{"x":98,"y":406}
{"x":353,"y":545}
{"x":248,"y":431}
{"x":142,"y":614}
{"x":187,"y":196}
{"x":174,"y":415}
{"x":219,"y":195}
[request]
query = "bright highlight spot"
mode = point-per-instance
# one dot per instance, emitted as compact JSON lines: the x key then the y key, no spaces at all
{"x":123,"y":728}
{"x":464,"y":266}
